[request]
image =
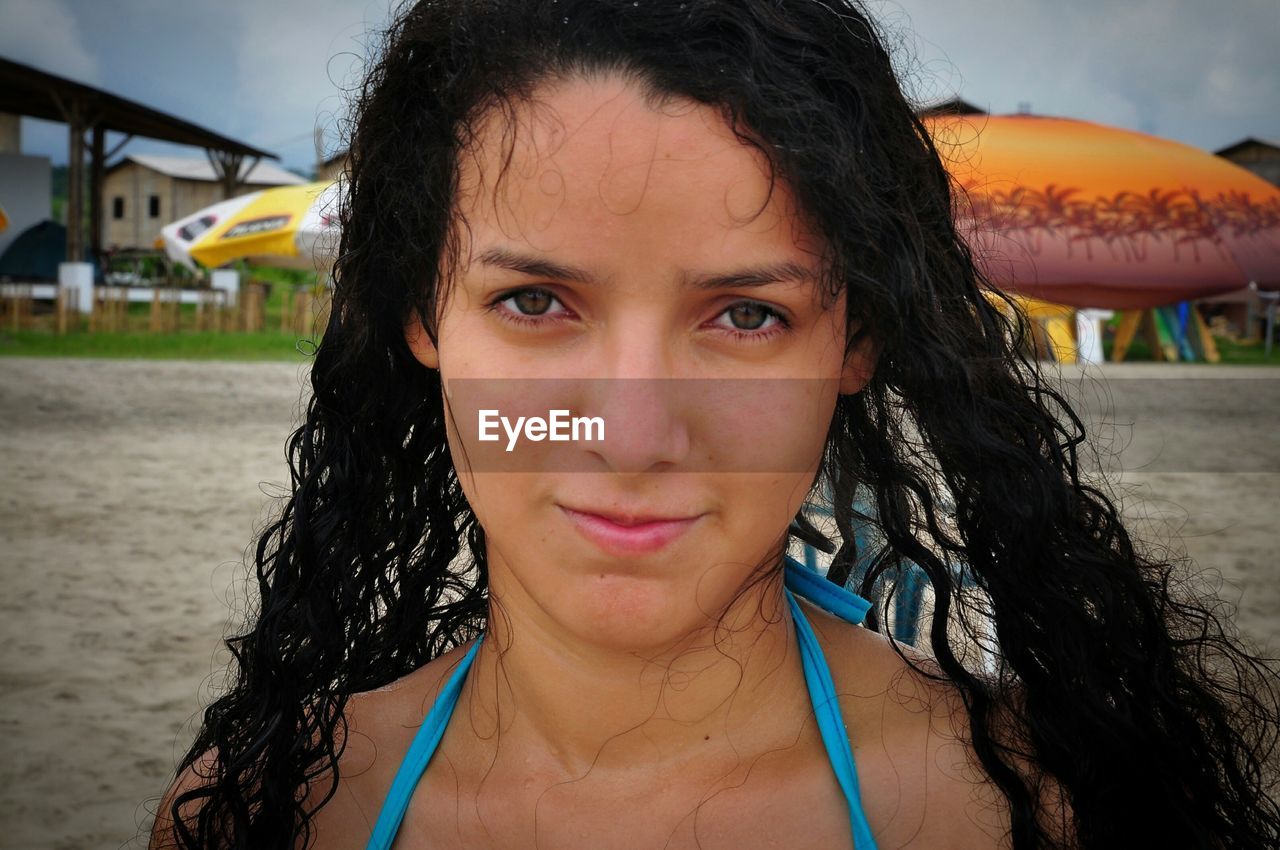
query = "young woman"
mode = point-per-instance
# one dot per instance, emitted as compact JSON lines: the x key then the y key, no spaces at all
{"x":720,"y":225}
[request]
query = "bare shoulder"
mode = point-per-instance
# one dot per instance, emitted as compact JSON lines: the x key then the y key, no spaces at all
{"x":921,"y":782}
{"x":193,"y":777}
{"x":380,"y":725}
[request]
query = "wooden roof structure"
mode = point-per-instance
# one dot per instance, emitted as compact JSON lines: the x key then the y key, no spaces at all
{"x":954,"y":106}
{"x":1257,"y":148}
{"x":28,"y":91}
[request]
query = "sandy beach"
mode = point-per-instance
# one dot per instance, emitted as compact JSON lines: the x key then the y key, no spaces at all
{"x":133,"y":490}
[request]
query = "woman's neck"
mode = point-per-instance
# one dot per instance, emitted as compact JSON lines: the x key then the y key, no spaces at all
{"x":563,"y":705}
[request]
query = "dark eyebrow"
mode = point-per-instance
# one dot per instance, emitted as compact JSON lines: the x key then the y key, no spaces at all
{"x":758,"y":276}
{"x":535,"y":267}
{"x":532,"y":266}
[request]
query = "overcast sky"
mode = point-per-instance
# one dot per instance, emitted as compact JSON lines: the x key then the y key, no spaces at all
{"x":268,"y":72}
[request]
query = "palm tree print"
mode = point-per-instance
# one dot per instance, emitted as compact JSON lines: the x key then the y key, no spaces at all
{"x":1127,"y":224}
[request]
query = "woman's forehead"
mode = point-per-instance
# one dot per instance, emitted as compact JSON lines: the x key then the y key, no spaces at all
{"x":589,"y":167}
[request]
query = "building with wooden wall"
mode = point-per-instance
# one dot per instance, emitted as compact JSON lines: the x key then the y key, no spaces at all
{"x":141,"y":193}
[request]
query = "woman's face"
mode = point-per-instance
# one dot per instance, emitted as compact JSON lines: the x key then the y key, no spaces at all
{"x":592,"y":262}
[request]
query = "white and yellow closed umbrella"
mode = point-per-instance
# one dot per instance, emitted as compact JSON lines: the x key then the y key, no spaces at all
{"x":286,"y":226}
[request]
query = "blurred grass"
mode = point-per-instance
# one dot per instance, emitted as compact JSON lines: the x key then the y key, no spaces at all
{"x":185,"y":345}
{"x":1248,"y":354}
{"x":41,"y":340}
{"x":1232,"y":352}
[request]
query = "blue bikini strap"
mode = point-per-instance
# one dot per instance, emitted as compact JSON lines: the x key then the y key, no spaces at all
{"x":420,"y":752}
{"x":827,"y":595}
{"x":822,"y":691}
{"x":798,"y":579}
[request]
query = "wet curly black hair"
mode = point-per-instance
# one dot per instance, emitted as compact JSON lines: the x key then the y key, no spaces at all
{"x":1146,"y":709}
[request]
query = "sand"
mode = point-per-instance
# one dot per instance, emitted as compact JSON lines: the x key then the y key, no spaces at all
{"x":133,"y":489}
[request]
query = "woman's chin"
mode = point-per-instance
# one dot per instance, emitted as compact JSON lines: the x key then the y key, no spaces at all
{"x":632,"y":613}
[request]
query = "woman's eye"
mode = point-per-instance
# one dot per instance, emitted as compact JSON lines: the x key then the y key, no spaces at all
{"x":532,"y":302}
{"x":751,"y":319}
{"x":748,"y":316}
{"x":526,"y":305}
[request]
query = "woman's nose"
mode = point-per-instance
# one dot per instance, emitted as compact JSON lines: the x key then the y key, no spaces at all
{"x":646,"y":407}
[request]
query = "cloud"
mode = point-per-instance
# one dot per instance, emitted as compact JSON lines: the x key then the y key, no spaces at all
{"x":45,"y":34}
{"x":285,"y":94}
{"x":1180,"y":68}
{"x":265,"y":73}
{"x":268,"y":72}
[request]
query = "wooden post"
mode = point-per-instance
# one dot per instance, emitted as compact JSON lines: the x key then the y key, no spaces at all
{"x":15,"y":298}
{"x":230,"y":318}
{"x":1129,"y":322}
{"x":75,"y":184}
{"x":60,"y":310}
{"x":322,"y":317}
{"x":104,"y":308}
{"x":306,"y":310}
{"x":207,"y":310}
{"x":1151,"y":333}
{"x":226,"y":167}
{"x":97,"y":158}
{"x":254,"y":301}
{"x":11,"y":304}
{"x":1201,"y":331}
{"x":1252,"y":327}
{"x":100,"y":313}
{"x":154,"y":326}
{"x":175,"y":308}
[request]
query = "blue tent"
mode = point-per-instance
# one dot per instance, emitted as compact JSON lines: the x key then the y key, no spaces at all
{"x":36,"y":253}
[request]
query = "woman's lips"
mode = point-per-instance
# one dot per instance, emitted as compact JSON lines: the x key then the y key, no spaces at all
{"x":618,"y":539}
